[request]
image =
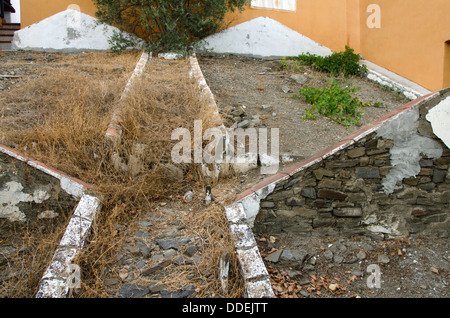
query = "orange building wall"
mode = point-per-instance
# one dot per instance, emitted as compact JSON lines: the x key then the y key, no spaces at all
{"x":410,"y":42}
{"x":33,"y":11}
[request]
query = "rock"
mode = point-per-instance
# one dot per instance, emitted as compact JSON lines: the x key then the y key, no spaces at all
{"x":382,"y":259}
{"x":357,"y":273}
{"x":6,"y":250}
{"x":133,"y":291}
{"x":119,"y":68}
{"x":188,"y":196}
{"x":156,"y":288}
{"x":338,"y":259}
{"x":111,"y":281}
{"x":243,"y":124}
{"x":330,"y":194}
{"x":297,"y":255}
{"x":304,"y":293}
{"x":308,"y":193}
{"x":328,"y":254}
{"x":361,"y":255}
{"x":182,"y":293}
{"x":132,"y":249}
{"x":286,"y":89}
{"x":266,"y":107}
{"x":367,"y":173}
{"x":142,"y":234}
{"x":356,"y":152}
{"x":299,"y":78}
{"x":348,"y":212}
{"x":274,"y":257}
{"x":190,"y":250}
{"x":143,"y":248}
{"x":171,"y":172}
{"x":145,"y":224}
{"x":155,"y":268}
{"x":170,"y":253}
{"x":172,"y":243}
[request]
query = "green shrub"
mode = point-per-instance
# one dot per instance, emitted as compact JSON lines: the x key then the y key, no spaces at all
{"x":166,"y":24}
{"x":334,"y":102}
{"x":339,"y":63}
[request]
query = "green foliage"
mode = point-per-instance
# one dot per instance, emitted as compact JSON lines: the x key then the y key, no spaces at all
{"x":291,"y":65}
{"x":166,"y":24}
{"x":345,"y":63}
{"x":335,"y":102}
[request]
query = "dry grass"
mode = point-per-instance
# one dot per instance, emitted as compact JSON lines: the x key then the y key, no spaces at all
{"x":67,"y":114}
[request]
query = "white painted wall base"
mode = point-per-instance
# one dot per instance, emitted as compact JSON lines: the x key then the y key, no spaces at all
{"x":261,"y":37}
{"x":69,"y":30}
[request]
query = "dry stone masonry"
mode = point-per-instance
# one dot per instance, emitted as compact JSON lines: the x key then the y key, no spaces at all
{"x":389,"y":179}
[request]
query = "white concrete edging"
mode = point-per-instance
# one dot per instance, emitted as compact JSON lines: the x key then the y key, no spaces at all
{"x":253,"y":269}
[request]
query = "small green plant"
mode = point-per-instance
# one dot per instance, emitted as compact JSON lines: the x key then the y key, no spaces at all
{"x":334,"y":102}
{"x":339,"y":63}
{"x":291,"y":65}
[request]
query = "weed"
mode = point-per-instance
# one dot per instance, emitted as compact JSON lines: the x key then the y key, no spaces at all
{"x":335,"y":102}
{"x":68,"y":112}
{"x":291,"y":65}
{"x":339,"y":63}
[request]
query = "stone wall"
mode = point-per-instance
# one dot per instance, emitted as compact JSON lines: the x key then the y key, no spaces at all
{"x":31,"y":191}
{"x":29,"y":195}
{"x":389,"y":179}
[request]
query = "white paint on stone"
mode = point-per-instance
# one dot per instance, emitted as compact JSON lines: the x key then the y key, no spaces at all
{"x":48,"y":214}
{"x":71,"y":187}
{"x":251,"y":203}
{"x":69,"y":30}
{"x":261,"y":37}
{"x":439,"y":117}
{"x":407,"y":150}
{"x":11,"y":195}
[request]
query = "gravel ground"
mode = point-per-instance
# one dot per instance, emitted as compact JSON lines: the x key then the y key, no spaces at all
{"x":326,"y":267}
{"x":299,"y":267}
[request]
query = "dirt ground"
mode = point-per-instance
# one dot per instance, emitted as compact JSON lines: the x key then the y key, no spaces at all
{"x":253,"y":83}
{"x":328,"y":267}
{"x":331,"y":267}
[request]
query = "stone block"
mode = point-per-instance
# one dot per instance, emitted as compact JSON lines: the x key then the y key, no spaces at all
{"x":331,"y":184}
{"x":304,"y":212}
{"x":348,"y":212}
{"x":323,"y":222}
{"x":295,"y":202}
{"x":367,"y":173}
{"x":320,"y":173}
{"x":332,"y":195}
{"x":344,"y":163}
{"x":267,"y":204}
{"x":309,"y":193}
{"x":364,"y":161}
{"x":356,"y":152}
{"x":439,"y":176}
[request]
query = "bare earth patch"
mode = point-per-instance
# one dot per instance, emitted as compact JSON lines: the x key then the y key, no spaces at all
{"x":252,"y":83}
{"x":259,"y":91}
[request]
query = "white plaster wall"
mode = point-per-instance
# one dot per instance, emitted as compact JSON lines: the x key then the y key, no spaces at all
{"x":439,"y":117}
{"x":69,"y":30}
{"x":407,"y":150}
{"x":261,"y":37}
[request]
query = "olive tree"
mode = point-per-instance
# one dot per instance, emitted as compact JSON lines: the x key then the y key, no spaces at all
{"x":166,"y":24}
